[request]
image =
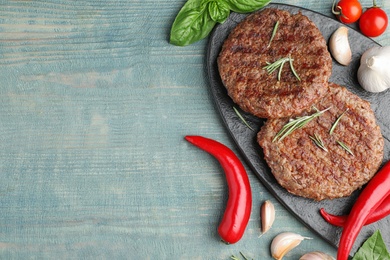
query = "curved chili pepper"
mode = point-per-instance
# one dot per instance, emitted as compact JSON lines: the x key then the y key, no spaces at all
{"x":368,"y":201}
{"x":239,"y":204}
{"x":382,"y":211}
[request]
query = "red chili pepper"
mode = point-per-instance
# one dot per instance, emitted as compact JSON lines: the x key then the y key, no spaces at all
{"x":239,"y":205}
{"x":382,"y":211}
{"x":372,"y":196}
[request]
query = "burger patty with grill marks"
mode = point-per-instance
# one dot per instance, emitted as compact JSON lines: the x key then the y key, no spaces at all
{"x":304,"y":169}
{"x":247,"y":51}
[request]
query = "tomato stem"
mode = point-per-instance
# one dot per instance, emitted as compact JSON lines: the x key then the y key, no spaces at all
{"x":334,"y":10}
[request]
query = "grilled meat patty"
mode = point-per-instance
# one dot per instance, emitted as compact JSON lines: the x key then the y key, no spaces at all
{"x":304,"y":169}
{"x":247,"y":50}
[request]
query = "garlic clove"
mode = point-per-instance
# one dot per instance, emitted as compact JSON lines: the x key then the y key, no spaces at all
{"x":339,"y":46}
{"x":267,"y":215}
{"x":316,"y":255}
{"x":284,"y":243}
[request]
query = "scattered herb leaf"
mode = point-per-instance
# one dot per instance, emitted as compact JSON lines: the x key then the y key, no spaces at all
{"x":192,"y":23}
{"x":373,"y":248}
{"x":233,"y":257}
{"x":273,"y":33}
{"x":197,"y":18}
{"x":242,"y":118}
{"x":293,"y":69}
{"x":219,"y":11}
{"x":271,"y":67}
{"x":336,"y":122}
{"x":345,"y":147}
{"x":295,"y":124}
{"x":246,"y":6}
{"x":318,"y":141}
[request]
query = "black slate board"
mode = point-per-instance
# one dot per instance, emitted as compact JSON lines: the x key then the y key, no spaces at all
{"x":305,"y":210}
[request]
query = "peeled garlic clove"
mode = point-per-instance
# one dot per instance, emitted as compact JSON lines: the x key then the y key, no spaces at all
{"x":316,"y":255}
{"x":284,"y":243}
{"x":339,"y":46}
{"x":267,"y":215}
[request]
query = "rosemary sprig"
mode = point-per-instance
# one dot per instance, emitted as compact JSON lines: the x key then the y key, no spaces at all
{"x":336,"y":123}
{"x":293,"y":70}
{"x":233,"y":257}
{"x":242,"y":118}
{"x":273,"y":33}
{"x":345,"y":147}
{"x":318,"y":141}
{"x":271,"y":67}
{"x":295,"y":124}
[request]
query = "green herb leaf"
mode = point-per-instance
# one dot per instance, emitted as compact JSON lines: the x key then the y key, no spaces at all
{"x":293,"y":69}
{"x":345,"y":147}
{"x":336,"y":122}
{"x":295,"y":124}
{"x":233,"y":257}
{"x":372,"y":249}
{"x":197,"y":18}
{"x":276,"y":26}
{"x":218,"y":10}
{"x":242,"y":118}
{"x":192,"y":23}
{"x":246,"y":6}
{"x":318,"y":141}
{"x":271,"y":67}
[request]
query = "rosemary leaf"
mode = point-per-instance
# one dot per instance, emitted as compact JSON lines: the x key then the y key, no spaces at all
{"x":293,"y":70}
{"x":245,"y":258}
{"x":295,"y":124}
{"x":318,"y":141}
{"x":271,"y":67}
{"x":273,"y":33}
{"x":242,"y":118}
{"x":345,"y":147}
{"x":336,"y":122}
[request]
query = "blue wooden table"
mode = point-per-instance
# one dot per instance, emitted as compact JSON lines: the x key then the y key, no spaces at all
{"x":94,"y":105}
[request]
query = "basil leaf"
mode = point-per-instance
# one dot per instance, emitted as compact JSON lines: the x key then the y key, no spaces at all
{"x":192,"y":23}
{"x":372,"y":249}
{"x":218,"y":11}
{"x":197,"y":18}
{"x":246,"y":6}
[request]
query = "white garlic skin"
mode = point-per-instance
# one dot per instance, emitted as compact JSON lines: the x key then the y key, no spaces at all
{"x":339,"y":46}
{"x":267,"y":215}
{"x":316,"y":255}
{"x":284,"y":243}
{"x":374,"y":71}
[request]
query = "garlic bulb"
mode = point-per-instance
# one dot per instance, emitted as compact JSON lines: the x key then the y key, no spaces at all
{"x":374,"y":70}
{"x":267,"y":215}
{"x":339,"y":46}
{"x":316,"y":255}
{"x":284,"y":243}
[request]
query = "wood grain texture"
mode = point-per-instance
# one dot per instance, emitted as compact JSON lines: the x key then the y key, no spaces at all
{"x":94,"y":104}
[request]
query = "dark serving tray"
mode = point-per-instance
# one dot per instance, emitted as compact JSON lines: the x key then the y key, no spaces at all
{"x":304,"y":209}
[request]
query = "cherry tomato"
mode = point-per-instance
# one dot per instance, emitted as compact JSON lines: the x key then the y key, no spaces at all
{"x":373,"y":22}
{"x":347,"y":11}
